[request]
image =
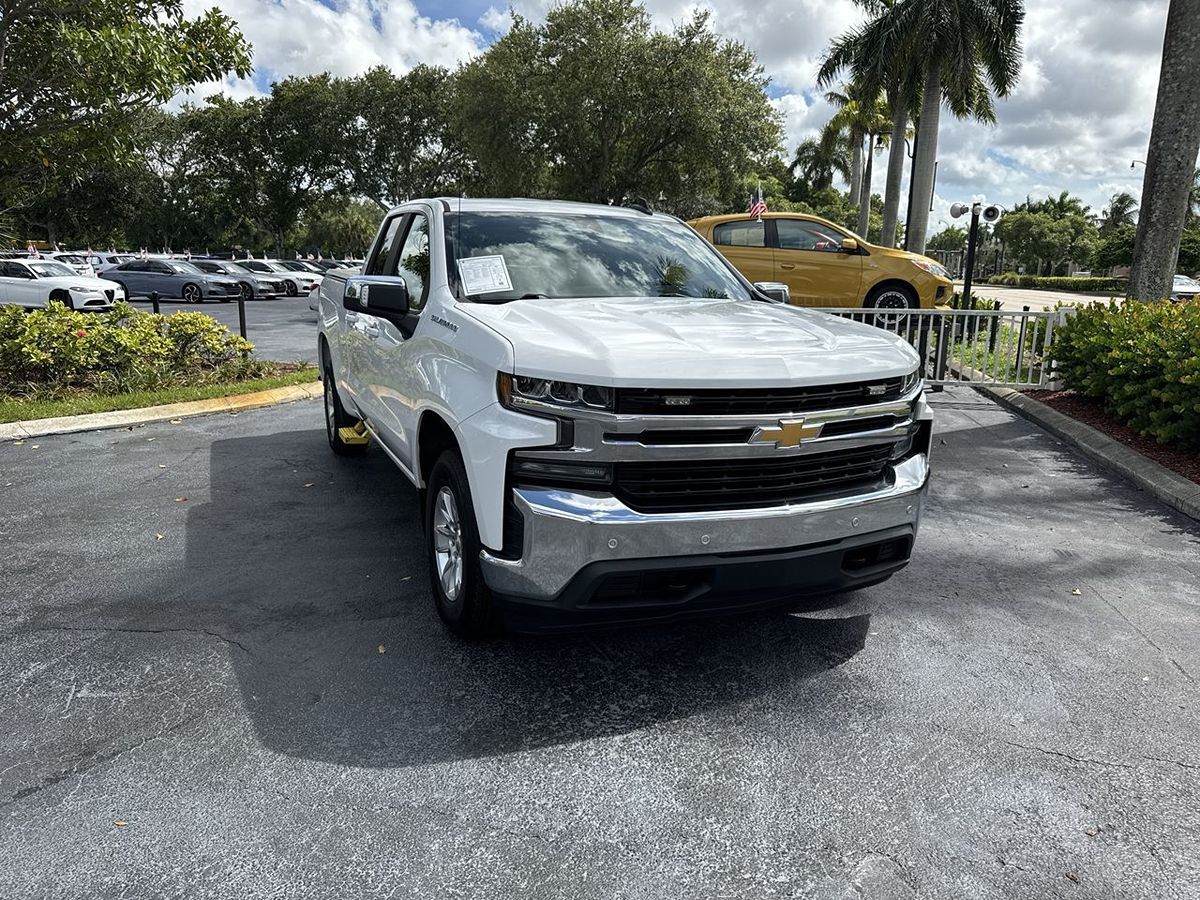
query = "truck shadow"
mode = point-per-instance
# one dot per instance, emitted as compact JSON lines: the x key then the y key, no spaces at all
{"x":312,"y":569}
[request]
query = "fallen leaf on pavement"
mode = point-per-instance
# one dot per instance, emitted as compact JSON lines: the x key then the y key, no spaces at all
{"x":120,"y":823}
{"x":309,"y":484}
{"x":1071,"y":876}
{"x":176,"y":421}
{"x":17,"y":443}
{"x":1091,"y":832}
{"x":1076,"y":592}
{"x":34,"y":446}
{"x":181,"y":499}
{"x":149,"y":439}
{"x":157,"y":536}
{"x":161,"y":466}
{"x":382,"y":649}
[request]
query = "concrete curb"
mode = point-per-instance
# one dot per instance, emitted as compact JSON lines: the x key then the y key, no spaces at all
{"x":1169,"y":487}
{"x":123,"y":418}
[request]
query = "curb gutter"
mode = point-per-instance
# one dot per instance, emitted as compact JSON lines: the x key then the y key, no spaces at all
{"x":123,"y":418}
{"x":1169,"y":487}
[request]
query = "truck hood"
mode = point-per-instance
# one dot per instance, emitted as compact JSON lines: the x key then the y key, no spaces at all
{"x":684,"y":341}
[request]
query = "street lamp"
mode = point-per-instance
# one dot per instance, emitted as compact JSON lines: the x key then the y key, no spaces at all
{"x":1136,"y":161}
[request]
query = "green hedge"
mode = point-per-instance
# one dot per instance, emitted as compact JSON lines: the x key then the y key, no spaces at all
{"x":1141,"y":361}
{"x":52,"y":351}
{"x":1055,"y":283}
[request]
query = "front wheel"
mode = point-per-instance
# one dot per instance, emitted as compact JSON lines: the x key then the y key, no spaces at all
{"x":463,"y":600}
{"x":245,"y":290}
{"x":292,"y":290}
{"x":892,"y":301}
{"x":191,"y":294}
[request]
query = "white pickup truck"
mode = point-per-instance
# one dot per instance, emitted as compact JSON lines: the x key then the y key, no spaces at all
{"x":607,"y":423}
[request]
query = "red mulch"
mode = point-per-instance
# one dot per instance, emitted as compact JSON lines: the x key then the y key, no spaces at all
{"x":1091,"y":413}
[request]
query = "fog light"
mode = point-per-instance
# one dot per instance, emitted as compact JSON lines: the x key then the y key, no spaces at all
{"x":552,"y":471}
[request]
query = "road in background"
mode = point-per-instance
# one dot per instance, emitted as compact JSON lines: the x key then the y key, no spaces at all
{"x":225,"y":678}
{"x":283,"y":329}
{"x":1015,"y":298}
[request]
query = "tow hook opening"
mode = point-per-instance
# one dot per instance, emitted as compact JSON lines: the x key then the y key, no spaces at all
{"x":883,"y":553}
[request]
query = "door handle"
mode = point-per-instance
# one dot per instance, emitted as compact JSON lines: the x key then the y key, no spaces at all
{"x":787,"y":265}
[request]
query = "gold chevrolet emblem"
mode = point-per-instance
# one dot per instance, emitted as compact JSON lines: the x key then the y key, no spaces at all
{"x":790,"y":433}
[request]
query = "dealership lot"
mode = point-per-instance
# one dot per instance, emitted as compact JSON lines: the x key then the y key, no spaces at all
{"x":235,"y":657}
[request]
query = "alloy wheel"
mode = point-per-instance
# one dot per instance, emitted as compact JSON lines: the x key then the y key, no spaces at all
{"x":448,"y":544}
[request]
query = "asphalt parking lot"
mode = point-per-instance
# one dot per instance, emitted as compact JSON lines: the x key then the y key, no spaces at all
{"x":284,"y":329}
{"x":223,"y":677}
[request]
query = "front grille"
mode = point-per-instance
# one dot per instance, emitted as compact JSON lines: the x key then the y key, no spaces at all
{"x":109,"y":295}
{"x":755,"y":401}
{"x":681,"y":485}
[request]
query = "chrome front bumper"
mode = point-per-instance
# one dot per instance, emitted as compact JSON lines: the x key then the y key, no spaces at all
{"x":567,"y":530}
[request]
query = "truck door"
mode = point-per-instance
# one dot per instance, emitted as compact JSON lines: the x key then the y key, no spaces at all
{"x":393,"y":370}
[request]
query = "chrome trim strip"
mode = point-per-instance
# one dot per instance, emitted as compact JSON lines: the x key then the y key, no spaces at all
{"x":566,"y":530}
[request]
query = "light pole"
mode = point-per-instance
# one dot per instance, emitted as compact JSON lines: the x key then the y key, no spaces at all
{"x":1137,"y":162}
{"x":990,"y":214}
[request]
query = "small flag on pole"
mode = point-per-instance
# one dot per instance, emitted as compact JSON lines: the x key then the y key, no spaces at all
{"x":758,"y":204}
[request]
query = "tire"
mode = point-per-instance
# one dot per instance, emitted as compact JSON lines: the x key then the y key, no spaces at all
{"x":292,"y":290}
{"x":463,"y":601}
{"x":191,"y":293}
{"x":891,"y":297}
{"x":336,"y":417}
{"x":246,"y":291}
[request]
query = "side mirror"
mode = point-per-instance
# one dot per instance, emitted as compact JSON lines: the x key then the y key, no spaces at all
{"x":849,"y":245}
{"x":384,"y":297}
{"x":776,"y":290}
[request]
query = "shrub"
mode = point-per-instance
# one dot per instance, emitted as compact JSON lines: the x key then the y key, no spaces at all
{"x":53,"y":350}
{"x":1141,"y":361}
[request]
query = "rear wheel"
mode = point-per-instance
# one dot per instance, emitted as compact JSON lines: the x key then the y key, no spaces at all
{"x":463,"y":600}
{"x":292,"y":290}
{"x":191,"y":293}
{"x":245,"y":290}
{"x":337,"y":418}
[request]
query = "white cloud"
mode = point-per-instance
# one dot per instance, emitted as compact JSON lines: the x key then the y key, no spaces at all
{"x":1080,"y":113}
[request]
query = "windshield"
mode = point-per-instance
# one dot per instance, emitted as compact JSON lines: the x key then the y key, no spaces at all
{"x":184,"y":268}
{"x":51,"y":269}
{"x":1182,"y":281}
{"x":564,"y":255}
{"x":236,"y":268}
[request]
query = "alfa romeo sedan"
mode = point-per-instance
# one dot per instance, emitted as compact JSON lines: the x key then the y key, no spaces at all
{"x":35,"y":282}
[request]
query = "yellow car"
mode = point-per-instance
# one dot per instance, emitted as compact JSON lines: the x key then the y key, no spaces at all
{"x":824,"y":264}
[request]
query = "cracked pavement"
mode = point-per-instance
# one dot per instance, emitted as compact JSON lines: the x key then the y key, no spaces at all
{"x":971,"y":728}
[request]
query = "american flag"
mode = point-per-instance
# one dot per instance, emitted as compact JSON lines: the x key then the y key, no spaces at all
{"x":758,"y":204}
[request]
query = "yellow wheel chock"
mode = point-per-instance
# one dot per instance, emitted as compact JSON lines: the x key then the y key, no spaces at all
{"x":354,"y":434}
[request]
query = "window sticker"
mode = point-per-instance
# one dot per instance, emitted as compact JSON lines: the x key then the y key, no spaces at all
{"x":484,"y":275}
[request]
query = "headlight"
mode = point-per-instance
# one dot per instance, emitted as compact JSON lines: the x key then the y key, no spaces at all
{"x":911,"y":380}
{"x":933,"y":268}
{"x":81,"y":290}
{"x":518,"y":391}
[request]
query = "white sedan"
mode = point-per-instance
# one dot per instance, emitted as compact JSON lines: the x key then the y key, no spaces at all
{"x":35,"y":282}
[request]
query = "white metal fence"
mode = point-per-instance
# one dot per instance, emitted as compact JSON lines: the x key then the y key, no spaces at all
{"x":1000,"y":347}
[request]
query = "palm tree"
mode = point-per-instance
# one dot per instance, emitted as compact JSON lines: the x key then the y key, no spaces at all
{"x":1121,"y":211}
{"x":1170,"y":162}
{"x":876,"y":121}
{"x":957,"y":51}
{"x":883,"y":61}
{"x":1191,"y":215}
{"x":819,"y":159}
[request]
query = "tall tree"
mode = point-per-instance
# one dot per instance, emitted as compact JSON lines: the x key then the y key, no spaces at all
{"x":883,"y":61}
{"x":819,"y":159}
{"x":403,"y":143}
{"x":965,"y":50}
{"x":595,"y":104}
{"x":1171,"y":159}
{"x":71,"y":72}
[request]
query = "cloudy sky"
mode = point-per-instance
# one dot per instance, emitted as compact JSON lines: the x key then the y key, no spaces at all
{"x":1078,"y":118}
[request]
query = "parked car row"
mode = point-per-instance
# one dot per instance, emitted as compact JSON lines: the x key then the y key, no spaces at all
{"x":99,"y":279}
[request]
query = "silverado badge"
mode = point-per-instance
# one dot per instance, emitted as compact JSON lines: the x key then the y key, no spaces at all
{"x":790,"y":433}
